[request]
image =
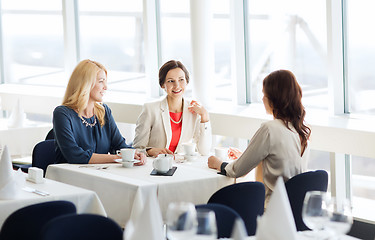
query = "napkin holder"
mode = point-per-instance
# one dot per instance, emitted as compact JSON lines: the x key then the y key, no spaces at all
{"x":35,"y":175}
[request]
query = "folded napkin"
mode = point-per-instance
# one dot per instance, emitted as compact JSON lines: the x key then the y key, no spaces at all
{"x":239,"y":230}
{"x":146,"y":221}
{"x":11,"y":183}
{"x":277,"y":222}
{"x":17,"y":117}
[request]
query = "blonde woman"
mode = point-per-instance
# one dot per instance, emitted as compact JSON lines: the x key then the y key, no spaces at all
{"x":85,"y":131}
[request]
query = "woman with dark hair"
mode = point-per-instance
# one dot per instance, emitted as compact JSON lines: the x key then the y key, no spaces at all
{"x":279,"y":147}
{"x":165,"y":124}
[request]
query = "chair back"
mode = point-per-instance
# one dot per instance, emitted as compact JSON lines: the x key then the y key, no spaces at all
{"x":225,"y":218}
{"x":297,"y":187}
{"x":50,"y":135}
{"x":81,"y":227}
{"x":27,"y":222}
{"x":44,"y":154}
{"x":246,"y":198}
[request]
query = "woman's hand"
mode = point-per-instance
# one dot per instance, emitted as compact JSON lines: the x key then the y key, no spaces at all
{"x":154,"y":152}
{"x":214,"y":162}
{"x":234,"y":153}
{"x":197,"y":108}
{"x":140,"y":156}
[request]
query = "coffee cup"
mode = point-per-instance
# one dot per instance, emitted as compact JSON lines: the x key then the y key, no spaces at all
{"x":189,"y":148}
{"x":163,"y":162}
{"x":221,"y":153}
{"x":127,"y":154}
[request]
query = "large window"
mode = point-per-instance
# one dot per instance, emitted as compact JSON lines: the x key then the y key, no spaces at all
{"x":279,"y":34}
{"x":33,"y":41}
{"x":176,"y":40}
{"x":363,"y":187}
{"x":361,"y":56}
{"x":360,"y":59}
{"x":175,"y":34}
{"x":111,"y":32}
{"x":289,"y":34}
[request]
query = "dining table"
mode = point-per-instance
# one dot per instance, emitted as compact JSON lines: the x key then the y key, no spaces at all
{"x":118,"y":186}
{"x":309,"y":235}
{"x":21,"y":140}
{"x":85,"y":201}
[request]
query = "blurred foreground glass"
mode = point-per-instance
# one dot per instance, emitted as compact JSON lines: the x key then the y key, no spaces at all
{"x":206,"y":224}
{"x":340,"y":216}
{"x":314,"y":211}
{"x":181,"y":221}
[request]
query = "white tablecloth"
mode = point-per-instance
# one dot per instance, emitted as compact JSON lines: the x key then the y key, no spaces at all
{"x":308,"y":235}
{"x":117,"y":186}
{"x":86,"y":201}
{"x":21,"y":141}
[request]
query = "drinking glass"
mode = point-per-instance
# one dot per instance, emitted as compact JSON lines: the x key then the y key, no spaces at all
{"x":340,"y":216}
{"x":206,"y":224}
{"x":181,"y":221}
{"x":314,"y":211}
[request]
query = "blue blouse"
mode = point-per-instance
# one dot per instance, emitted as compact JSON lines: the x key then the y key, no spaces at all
{"x":76,"y":142}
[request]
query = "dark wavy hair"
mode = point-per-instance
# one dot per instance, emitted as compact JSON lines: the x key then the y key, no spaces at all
{"x":285,"y":95}
{"x":171,"y":64}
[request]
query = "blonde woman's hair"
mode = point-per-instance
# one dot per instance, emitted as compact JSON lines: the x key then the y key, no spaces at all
{"x":80,"y":84}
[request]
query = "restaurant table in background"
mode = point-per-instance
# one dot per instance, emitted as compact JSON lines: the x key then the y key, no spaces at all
{"x":117,"y":186}
{"x":21,"y":141}
{"x":86,"y":201}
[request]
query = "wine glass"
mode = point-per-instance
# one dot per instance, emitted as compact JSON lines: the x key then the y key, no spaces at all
{"x":206,"y":224}
{"x":340,"y":216}
{"x":181,"y":221}
{"x":314,"y":211}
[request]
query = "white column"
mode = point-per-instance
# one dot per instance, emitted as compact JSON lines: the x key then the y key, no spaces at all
{"x":2,"y":62}
{"x":202,"y":51}
{"x":291,"y":43}
{"x":71,"y":35}
{"x":339,"y":178}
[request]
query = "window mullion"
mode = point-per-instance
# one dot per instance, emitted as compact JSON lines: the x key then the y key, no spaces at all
{"x":71,"y":34}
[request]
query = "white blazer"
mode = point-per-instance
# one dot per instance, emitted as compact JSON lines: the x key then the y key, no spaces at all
{"x":154,"y":130}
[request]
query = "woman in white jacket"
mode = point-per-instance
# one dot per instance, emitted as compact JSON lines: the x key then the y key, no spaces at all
{"x":165,"y":124}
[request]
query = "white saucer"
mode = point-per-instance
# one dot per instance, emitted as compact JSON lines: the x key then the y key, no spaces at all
{"x":192,"y":157}
{"x":119,"y":160}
